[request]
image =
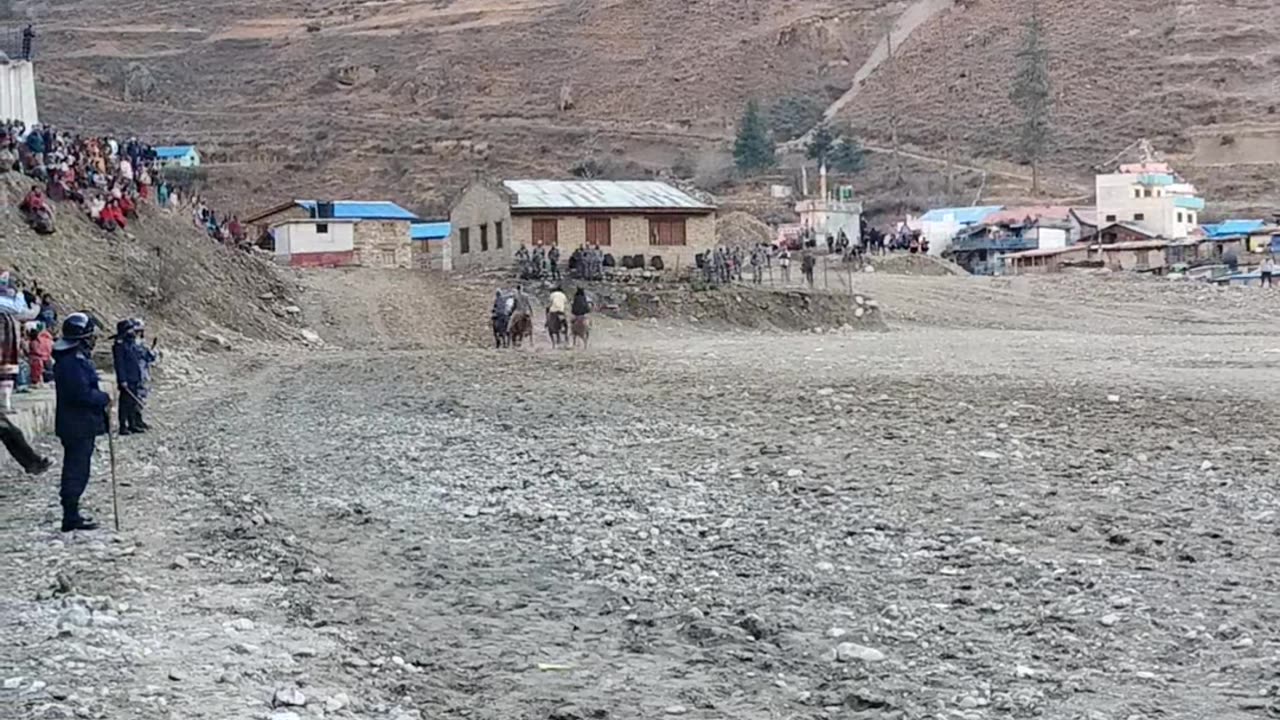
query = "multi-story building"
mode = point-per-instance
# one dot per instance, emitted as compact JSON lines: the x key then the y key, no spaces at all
{"x":1152,"y":196}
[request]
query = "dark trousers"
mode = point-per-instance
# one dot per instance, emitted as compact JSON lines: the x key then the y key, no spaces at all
{"x":77,"y":455}
{"x":16,"y":443}
{"x":1266,"y":279}
{"x":130,"y":411}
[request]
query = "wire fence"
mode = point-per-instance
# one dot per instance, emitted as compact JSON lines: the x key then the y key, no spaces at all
{"x":829,"y":273}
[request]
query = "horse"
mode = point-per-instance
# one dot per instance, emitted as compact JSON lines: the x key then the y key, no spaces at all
{"x":501,"y":331}
{"x":521,"y":327}
{"x":580,"y":328}
{"x":556,"y":329}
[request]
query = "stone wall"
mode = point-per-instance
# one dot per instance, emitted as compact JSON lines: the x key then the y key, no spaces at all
{"x":383,"y":243}
{"x":481,"y":209}
{"x":629,"y":235}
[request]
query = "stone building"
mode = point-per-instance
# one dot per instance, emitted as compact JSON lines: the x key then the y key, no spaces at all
{"x":381,"y":237}
{"x":489,"y":221}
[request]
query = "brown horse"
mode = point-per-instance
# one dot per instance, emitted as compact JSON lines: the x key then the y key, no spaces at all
{"x":556,"y":329}
{"x":580,"y":327}
{"x":521,"y":327}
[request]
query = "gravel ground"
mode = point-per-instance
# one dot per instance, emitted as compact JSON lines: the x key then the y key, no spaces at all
{"x":997,"y":509}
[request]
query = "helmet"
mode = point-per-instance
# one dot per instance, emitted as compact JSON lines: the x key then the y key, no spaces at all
{"x":124,"y":327}
{"x":77,"y":327}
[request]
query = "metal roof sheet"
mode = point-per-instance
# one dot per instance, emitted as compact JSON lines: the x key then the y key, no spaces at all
{"x":961,"y":215}
{"x":362,"y":210}
{"x":600,"y":194}
{"x":1229,"y":228}
{"x":173,"y":151}
{"x":429,"y":231}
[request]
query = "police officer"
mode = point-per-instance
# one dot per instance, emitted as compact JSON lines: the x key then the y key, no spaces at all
{"x":127,"y":361}
{"x":81,"y":415}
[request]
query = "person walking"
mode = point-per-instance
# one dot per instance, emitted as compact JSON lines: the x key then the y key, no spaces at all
{"x":806,"y":267}
{"x":1268,"y":269}
{"x":81,"y":414}
{"x":784,"y":264}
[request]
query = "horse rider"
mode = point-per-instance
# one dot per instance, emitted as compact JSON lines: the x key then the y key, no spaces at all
{"x":557,"y":306}
{"x":521,"y":307}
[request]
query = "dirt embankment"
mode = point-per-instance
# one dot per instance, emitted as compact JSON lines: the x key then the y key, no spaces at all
{"x":745,"y":307}
{"x":161,"y":268}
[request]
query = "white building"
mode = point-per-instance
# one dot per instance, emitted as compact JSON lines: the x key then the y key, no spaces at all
{"x":321,"y":242}
{"x":831,"y":215}
{"x":1151,"y":196}
{"x":940,"y":226}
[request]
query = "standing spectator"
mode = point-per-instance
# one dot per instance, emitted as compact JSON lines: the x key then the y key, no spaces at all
{"x":81,"y":413}
{"x":1267,"y":270}
{"x":806,"y":267}
{"x":15,"y":308}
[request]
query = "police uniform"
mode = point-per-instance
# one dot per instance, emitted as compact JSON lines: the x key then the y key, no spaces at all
{"x":81,"y":414}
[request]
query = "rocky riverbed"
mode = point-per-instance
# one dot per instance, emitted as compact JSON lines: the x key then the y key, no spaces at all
{"x":1070,"y":521}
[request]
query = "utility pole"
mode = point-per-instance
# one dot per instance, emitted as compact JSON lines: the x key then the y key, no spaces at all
{"x":893,"y":109}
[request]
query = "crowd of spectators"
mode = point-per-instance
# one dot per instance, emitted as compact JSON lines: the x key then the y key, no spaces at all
{"x":108,"y":178}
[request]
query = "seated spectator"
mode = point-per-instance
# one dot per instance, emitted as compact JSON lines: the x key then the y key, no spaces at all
{"x":37,"y":211}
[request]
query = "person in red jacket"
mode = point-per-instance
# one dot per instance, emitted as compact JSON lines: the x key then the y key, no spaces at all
{"x":112,"y":217}
{"x":39,"y":353}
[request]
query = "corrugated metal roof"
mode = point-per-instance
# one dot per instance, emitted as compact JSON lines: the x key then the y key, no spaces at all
{"x":600,"y":194}
{"x":167,"y":152}
{"x":961,"y":215}
{"x":363,"y":210}
{"x":429,"y":231}
{"x":1229,"y":228}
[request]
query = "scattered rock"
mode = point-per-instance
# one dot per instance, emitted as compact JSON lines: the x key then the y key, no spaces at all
{"x":293,"y":309}
{"x":284,"y":715}
{"x":288,"y":697}
{"x":795,"y":473}
{"x":988,"y":454}
{"x":676,"y":710}
{"x":242,"y":624}
{"x":853,"y":652}
{"x":1243,"y":643}
{"x":59,"y":693}
{"x":336,"y":702}
{"x":311,"y":337}
{"x":1113,"y":398}
{"x":13,"y":683}
{"x":177,"y":675}
{"x":211,"y":341}
{"x":1109,"y":619}
{"x":181,"y":563}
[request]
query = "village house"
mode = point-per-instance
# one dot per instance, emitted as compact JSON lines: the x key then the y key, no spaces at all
{"x":177,"y":156}
{"x":1149,"y":195}
{"x":369,"y":234}
{"x":489,"y":221}
{"x":1126,"y":256}
{"x":939,"y":226}
{"x":980,"y":248}
{"x":431,"y":246}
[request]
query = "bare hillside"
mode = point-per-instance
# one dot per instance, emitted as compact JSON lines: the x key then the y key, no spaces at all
{"x":163,"y":269}
{"x":406,"y":100}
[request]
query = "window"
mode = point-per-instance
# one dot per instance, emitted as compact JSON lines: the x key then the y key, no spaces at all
{"x":666,"y":231}
{"x":1111,"y":218}
{"x":1137,"y":192}
{"x":1179,"y":217}
{"x":388,"y":258}
{"x":464,"y":240}
{"x":497,"y":234}
{"x":1146,"y":192}
{"x":599,"y":232}
{"x":1138,"y":217}
{"x":1143,"y":258}
{"x":322,"y":228}
{"x":545,"y":231}
{"x":484,"y":238}
{"x":1191,"y":218}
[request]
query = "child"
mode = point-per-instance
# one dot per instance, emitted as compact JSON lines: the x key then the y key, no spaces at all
{"x":39,"y":353}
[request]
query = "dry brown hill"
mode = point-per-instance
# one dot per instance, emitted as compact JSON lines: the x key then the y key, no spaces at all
{"x":407,"y":99}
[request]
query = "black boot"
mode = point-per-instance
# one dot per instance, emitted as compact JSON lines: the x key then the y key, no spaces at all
{"x":73,"y":520}
{"x":40,"y":466}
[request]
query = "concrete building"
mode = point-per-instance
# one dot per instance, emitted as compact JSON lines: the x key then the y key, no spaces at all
{"x":381,"y":235}
{"x":322,"y":242}
{"x":183,"y":156}
{"x":18,"y":92}
{"x":941,"y":225}
{"x":488,"y":222}
{"x":1149,"y":195}
{"x":831,"y":213}
{"x":431,"y":246}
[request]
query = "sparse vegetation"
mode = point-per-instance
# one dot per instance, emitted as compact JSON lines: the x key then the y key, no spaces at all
{"x":792,"y":116}
{"x":753,"y":150}
{"x":839,"y":150}
{"x":1032,"y":93}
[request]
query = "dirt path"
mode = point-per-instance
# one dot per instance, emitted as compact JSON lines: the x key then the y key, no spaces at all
{"x":1063,"y":508}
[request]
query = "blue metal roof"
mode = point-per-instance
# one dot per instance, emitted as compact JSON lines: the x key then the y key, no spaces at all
{"x":170,"y":152}
{"x":1231,"y":228}
{"x":962,"y":215}
{"x":429,"y":231}
{"x":358,"y":210}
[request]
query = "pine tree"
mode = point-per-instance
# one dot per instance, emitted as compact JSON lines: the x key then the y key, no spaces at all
{"x":846,"y":156}
{"x":820,"y":143}
{"x":753,"y":150}
{"x":1033,"y":94}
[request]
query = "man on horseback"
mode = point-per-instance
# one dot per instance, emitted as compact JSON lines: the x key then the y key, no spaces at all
{"x":581,"y":327}
{"x":501,"y":317}
{"x":557,"y":306}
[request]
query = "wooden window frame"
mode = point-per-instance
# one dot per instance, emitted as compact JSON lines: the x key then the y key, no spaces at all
{"x":598,"y":222}
{"x":536,"y":240}
{"x":671,"y":227}
{"x":464,"y":241}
